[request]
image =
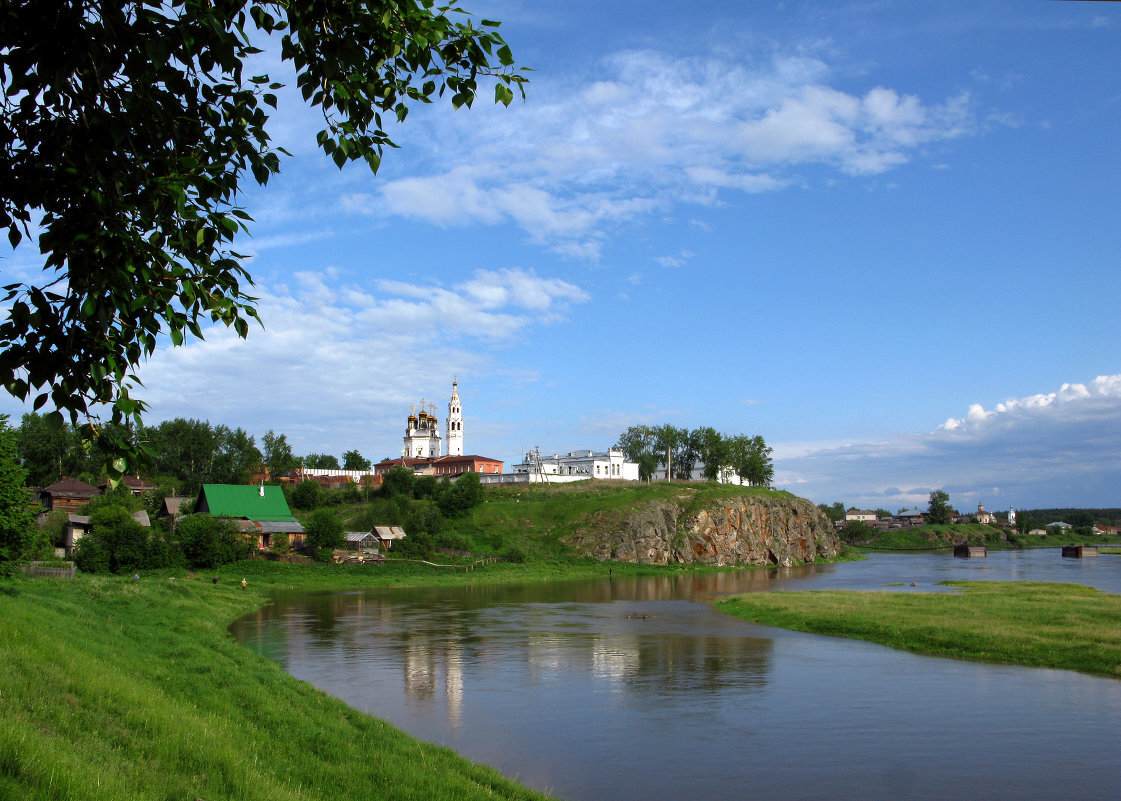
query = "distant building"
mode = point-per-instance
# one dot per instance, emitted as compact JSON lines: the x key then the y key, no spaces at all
{"x":983,"y":516}
{"x":726,"y":475}
{"x":860,"y":515}
{"x":913,"y":517}
{"x":422,"y":430}
{"x":423,"y":447}
{"x":443,"y":466}
{"x":581,"y":464}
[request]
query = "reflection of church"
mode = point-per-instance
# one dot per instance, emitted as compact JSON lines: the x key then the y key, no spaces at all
{"x":423,"y":449}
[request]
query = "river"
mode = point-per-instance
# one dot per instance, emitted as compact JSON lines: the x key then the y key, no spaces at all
{"x":637,"y":689}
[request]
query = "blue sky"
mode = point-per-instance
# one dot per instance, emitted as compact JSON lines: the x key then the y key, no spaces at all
{"x":884,"y":235}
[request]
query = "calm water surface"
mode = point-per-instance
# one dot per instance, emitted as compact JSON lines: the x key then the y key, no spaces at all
{"x":635,"y":689}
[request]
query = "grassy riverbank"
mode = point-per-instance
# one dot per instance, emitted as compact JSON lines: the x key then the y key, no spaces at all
{"x":933,"y":537}
{"x":1064,"y":626}
{"x":119,"y":689}
{"x":536,"y":518}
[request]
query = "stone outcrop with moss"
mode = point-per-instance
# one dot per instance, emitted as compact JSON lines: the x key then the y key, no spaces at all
{"x":725,"y":531}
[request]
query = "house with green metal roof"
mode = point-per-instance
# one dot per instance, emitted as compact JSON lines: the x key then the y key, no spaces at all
{"x":244,"y":500}
{"x":263,"y":511}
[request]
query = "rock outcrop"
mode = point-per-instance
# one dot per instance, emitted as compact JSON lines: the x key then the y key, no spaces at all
{"x":729,"y":531}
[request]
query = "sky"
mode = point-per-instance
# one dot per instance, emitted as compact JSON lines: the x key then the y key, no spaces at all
{"x":883,"y":235}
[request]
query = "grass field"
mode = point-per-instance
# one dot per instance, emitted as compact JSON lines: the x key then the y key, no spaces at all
{"x":119,"y":689}
{"x":1064,"y":626}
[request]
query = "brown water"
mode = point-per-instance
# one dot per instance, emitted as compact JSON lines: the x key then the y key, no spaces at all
{"x":635,"y":689}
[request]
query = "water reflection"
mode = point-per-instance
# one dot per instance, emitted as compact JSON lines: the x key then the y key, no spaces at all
{"x":630,"y":689}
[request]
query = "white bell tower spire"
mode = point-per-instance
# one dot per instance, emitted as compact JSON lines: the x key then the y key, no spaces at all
{"x":455,"y":423}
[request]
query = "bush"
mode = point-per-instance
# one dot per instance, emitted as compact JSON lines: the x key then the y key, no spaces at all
{"x":416,"y":545}
{"x":397,"y":481}
{"x":461,"y":496}
{"x":209,"y":541}
{"x":323,"y":531}
{"x":118,"y":544}
{"x":307,"y":495}
{"x":280,"y":542}
{"x":120,"y":496}
{"x":515,"y":554}
{"x":857,"y":531}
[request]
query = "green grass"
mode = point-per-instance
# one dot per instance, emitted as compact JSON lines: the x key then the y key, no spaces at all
{"x":535,"y":518}
{"x":118,"y":689}
{"x":1064,"y":626}
{"x":931,"y":537}
{"x":114,"y":689}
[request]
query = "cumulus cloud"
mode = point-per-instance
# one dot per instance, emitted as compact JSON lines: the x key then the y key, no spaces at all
{"x":335,"y":357}
{"x":652,"y":130}
{"x":1049,"y":449}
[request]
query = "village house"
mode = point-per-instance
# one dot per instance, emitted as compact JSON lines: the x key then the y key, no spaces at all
{"x":77,"y":526}
{"x":860,"y":516}
{"x":262,"y":511}
{"x":69,"y":495}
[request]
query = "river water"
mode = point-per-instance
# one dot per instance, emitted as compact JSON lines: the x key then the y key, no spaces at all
{"x":637,"y":689}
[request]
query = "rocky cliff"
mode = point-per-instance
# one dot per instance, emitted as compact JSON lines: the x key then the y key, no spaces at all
{"x":728,"y":531}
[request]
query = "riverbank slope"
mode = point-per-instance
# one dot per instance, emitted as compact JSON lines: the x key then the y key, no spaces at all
{"x":659,"y":524}
{"x":118,"y":689}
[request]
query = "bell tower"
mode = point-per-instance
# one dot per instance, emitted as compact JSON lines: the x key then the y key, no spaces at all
{"x":455,"y":423}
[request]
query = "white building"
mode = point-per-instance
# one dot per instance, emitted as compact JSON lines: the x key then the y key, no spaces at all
{"x":455,"y":423}
{"x":579,"y":465}
{"x":422,"y":431}
{"x":861,"y":516}
{"x":727,"y":475}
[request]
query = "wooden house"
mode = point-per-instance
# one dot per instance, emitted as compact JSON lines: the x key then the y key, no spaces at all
{"x":69,"y":495}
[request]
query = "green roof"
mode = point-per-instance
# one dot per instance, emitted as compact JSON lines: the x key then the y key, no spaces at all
{"x":244,"y":500}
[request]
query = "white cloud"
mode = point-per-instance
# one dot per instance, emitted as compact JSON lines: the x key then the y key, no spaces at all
{"x":652,"y":130}
{"x":1048,"y":449}
{"x":335,"y":357}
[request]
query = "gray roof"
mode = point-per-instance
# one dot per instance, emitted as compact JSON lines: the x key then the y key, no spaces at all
{"x":358,"y":536}
{"x":274,"y":526}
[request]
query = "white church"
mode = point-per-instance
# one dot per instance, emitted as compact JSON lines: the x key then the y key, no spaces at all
{"x":422,"y":431}
{"x":423,"y":449}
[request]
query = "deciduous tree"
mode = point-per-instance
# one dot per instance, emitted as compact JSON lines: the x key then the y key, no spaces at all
{"x":128,"y":128}
{"x":353,"y":460}
{"x":16,"y":518}
{"x":938,"y":510}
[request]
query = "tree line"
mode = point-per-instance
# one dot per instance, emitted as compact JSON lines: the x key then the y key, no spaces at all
{"x":722,"y":456}
{"x":179,"y":454}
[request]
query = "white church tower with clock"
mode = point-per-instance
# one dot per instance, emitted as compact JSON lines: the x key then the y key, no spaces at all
{"x":455,"y":423}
